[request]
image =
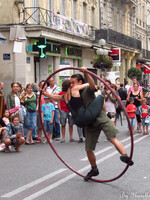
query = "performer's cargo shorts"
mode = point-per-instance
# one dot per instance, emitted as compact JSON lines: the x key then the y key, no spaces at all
{"x":92,"y":131}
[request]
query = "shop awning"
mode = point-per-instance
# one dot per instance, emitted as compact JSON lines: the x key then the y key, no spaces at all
{"x":146,"y":68}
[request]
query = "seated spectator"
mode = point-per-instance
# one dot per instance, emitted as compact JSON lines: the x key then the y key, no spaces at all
{"x":13,"y":135}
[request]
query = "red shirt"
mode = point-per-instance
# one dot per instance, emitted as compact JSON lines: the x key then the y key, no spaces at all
{"x":130,"y":108}
{"x":144,"y":110}
{"x":63,"y":104}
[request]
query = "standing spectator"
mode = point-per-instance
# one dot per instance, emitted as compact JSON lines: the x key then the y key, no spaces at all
{"x":138,"y":96}
{"x":39,"y":126}
{"x":13,"y":100}
{"x":13,"y":135}
{"x":1,"y":87}
{"x":48,"y":117}
{"x":131,"y":88}
{"x":2,"y":99}
{"x":123,"y":95}
{"x":131,"y":109}
{"x":54,"y":89}
{"x":147,"y":96}
{"x":65,"y":114}
{"x":144,"y":111}
{"x":127,"y":86}
{"x":30,"y":103}
{"x":20,"y":88}
{"x":110,"y":100}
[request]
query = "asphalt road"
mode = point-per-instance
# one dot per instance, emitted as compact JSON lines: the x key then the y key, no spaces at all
{"x":36,"y":172}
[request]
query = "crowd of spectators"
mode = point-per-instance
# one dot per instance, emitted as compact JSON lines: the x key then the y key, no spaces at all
{"x":20,"y":122}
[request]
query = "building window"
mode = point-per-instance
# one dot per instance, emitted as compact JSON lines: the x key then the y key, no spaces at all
{"x":84,"y":12}
{"x":74,"y":9}
{"x":92,"y":16}
{"x":63,"y":7}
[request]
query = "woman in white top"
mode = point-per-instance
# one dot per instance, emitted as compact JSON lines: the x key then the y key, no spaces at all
{"x":13,"y":100}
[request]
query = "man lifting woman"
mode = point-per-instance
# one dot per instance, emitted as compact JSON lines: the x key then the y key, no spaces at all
{"x":89,"y":112}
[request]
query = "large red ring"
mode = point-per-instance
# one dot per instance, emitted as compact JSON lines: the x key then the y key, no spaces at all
{"x":129,"y":124}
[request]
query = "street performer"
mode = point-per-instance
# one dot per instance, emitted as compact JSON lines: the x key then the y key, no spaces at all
{"x":100,"y":122}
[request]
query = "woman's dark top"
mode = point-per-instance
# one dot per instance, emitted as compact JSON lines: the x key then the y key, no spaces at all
{"x":136,"y":102}
{"x":75,"y":103}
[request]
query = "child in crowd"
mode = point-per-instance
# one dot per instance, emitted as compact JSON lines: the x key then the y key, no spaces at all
{"x":48,"y":117}
{"x":3,"y":123}
{"x":131,"y":109}
{"x":6,"y":117}
{"x":144,"y":111}
{"x":13,"y":135}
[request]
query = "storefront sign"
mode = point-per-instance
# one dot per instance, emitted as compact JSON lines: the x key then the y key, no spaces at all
{"x":73,"y":52}
{"x":65,"y":73}
{"x":6,"y":56}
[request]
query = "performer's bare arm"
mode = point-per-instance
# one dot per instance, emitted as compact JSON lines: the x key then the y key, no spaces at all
{"x":56,"y":97}
{"x":89,"y":78}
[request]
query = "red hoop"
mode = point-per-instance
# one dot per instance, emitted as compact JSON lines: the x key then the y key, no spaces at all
{"x":129,"y":124}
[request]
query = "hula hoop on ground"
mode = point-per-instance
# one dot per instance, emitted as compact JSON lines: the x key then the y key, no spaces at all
{"x":129,"y":124}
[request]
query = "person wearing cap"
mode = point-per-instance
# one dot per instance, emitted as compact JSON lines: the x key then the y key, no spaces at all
{"x":48,"y":117}
{"x":131,"y":110}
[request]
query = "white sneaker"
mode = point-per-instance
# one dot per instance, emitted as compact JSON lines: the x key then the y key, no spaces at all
{"x":45,"y":141}
{"x":51,"y":141}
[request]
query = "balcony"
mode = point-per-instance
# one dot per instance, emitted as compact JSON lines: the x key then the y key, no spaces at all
{"x":115,"y":38}
{"x":41,"y":16}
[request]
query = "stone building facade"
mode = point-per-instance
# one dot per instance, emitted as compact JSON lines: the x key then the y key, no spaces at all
{"x":70,"y":28}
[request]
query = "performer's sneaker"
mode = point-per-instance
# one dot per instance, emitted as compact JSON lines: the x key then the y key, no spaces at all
{"x":125,"y":158}
{"x":93,"y":172}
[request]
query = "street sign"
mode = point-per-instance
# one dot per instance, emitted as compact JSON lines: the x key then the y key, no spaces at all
{"x":116,"y":56}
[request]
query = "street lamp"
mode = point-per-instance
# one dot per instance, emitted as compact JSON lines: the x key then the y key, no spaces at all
{"x":102,"y":51}
{"x":102,"y":60}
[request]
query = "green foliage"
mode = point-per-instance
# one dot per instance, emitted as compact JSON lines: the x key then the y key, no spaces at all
{"x":134,"y":71}
{"x":106,"y":61}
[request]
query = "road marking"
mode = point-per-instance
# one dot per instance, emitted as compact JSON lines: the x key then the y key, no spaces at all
{"x":58,"y":183}
{"x":104,"y":150}
{"x":27,"y":186}
{"x":61,"y":181}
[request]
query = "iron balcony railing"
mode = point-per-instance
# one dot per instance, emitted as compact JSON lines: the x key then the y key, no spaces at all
{"x":41,"y":16}
{"x":131,"y":1}
{"x":116,"y":38}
